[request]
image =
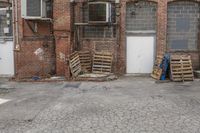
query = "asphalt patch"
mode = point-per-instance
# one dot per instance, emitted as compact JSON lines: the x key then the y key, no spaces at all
{"x":72,"y":85}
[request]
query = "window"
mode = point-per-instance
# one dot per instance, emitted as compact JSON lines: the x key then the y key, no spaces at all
{"x":98,"y":31}
{"x":5,"y":23}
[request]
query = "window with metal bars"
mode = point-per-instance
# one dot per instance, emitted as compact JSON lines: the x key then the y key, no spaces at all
{"x":6,"y":23}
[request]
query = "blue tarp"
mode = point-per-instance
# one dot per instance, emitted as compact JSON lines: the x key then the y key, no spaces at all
{"x":165,"y":66}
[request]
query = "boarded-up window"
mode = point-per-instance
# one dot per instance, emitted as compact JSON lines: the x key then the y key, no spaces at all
{"x":183,"y":21}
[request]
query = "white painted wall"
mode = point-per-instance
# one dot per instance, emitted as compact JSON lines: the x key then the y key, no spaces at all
{"x":140,"y":54}
{"x":6,"y":58}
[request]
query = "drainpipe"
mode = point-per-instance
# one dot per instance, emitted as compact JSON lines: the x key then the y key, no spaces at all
{"x":15,"y":32}
{"x":17,"y":47}
{"x":13,"y":24}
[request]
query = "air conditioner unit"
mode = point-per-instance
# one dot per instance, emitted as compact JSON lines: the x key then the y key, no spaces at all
{"x":99,"y":12}
{"x":34,"y":9}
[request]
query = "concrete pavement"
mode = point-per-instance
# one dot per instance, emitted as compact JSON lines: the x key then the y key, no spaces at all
{"x":127,"y":105}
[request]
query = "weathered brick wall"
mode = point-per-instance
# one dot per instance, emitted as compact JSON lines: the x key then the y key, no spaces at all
{"x":161,"y":35}
{"x":36,"y":58}
{"x":100,"y":45}
{"x":96,"y":38}
{"x":62,"y":32}
{"x":183,"y":21}
{"x":46,"y":51}
{"x":141,"y":16}
{"x":35,"y":51}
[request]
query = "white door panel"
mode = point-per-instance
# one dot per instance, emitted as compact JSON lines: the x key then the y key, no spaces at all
{"x":6,"y":59}
{"x":140,"y":54}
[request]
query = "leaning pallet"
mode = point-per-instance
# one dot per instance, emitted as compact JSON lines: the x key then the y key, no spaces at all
{"x":157,"y":71}
{"x":102,"y":62}
{"x":75,"y":64}
{"x":85,"y":59}
{"x":181,"y":68}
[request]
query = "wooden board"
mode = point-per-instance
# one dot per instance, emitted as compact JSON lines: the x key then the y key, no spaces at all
{"x":181,"y":68}
{"x":75,"y":64}
{"x":102,"y":62}
{"x":86,"y":61}
{"x":156,"y":73}
{"x":158,"y":60}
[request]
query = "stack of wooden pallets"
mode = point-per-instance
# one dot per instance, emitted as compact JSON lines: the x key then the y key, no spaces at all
{"x":86,"y":61}
{"x":102,"y":62}
{"x":181,"y":68}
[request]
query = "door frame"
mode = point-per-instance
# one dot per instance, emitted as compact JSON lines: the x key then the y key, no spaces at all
{"x":140,"y":34}
{"x":8,"y":39}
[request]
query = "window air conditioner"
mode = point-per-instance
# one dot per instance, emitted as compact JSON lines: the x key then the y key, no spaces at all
{"x":99,"y":12}
{"x":34,"y":9}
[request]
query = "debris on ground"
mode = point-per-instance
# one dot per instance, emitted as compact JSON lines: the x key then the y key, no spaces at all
{"x":88,"y":67}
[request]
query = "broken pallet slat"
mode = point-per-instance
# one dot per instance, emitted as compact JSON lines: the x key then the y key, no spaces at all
{"x":75,"y":64}
{"x":85,"y":59}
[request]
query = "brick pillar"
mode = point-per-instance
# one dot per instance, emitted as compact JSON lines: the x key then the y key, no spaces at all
{"x":62,"y":32}
{"x":161,"y":27}
{"x":122,"y":47}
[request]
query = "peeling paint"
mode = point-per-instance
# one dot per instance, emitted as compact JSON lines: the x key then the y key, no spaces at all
{"x":40,"y":53}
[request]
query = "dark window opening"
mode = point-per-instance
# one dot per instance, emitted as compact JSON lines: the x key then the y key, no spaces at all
{"x":98,"y":31}
{"x":6,"y":22}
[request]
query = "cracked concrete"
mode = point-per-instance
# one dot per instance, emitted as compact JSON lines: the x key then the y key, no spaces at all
{"x":127,"y":105}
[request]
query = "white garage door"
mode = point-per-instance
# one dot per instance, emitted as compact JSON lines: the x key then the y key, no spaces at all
{"x":6,"y":59}
{"x":140,"y":54}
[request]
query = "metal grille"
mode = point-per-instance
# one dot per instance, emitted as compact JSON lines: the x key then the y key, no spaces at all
{"x":141,"y":16}
{"x":34,"y":8}
{"x":5,"y":22}
{"x":98,"y":31}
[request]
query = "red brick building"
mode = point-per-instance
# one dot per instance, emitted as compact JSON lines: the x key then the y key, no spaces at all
{"x":43,"y":46}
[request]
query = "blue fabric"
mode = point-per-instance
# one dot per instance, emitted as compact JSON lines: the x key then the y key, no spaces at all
{"x":165,"y":65}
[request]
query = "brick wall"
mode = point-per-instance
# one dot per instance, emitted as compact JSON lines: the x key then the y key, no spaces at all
{"x":34,"y":50}
{"x":161,"y":33}
{"x":44,"y":52}
{"x":61,"y":41}
{"x":96,"y":37}
{"x":62,"y":32}
{"x":36,"y":58}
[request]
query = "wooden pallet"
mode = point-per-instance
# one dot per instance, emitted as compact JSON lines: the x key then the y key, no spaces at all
{"x":86,"y":61}
{"x":156,"y":73}
{"x":102,"y":62}
{"x":158,"y":60}
{"x":181,"y":68}
{"x":75,"y":64}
